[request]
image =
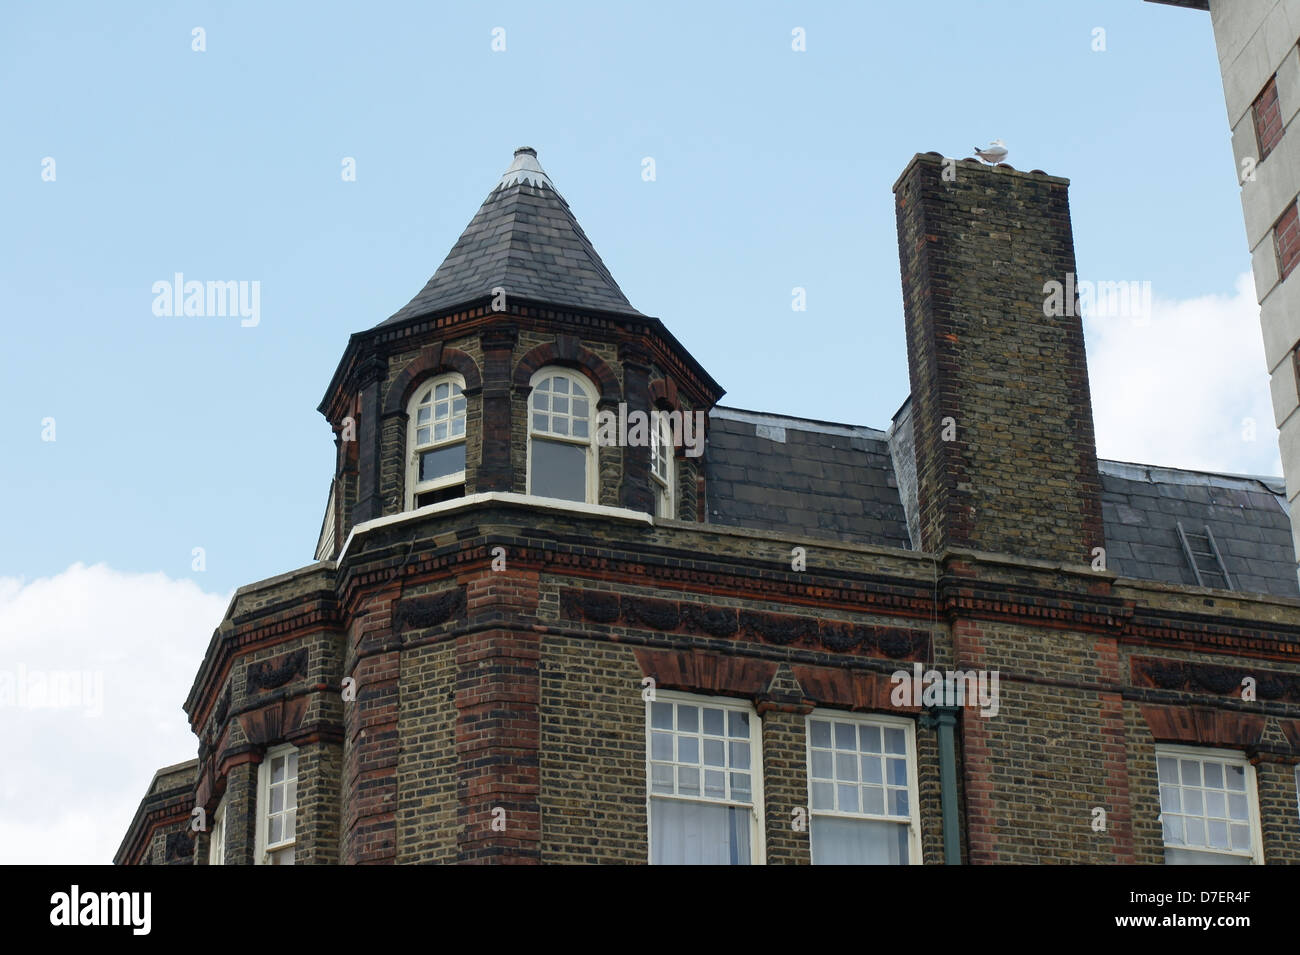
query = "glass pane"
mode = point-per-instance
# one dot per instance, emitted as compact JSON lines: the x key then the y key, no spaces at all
{"x":738,"y":723}
{"x":739,"y":755}
{"x":846,"y":767}
{"x":544,"y":385}
{"x":440,"y":431}
{"x":688,"y":781}
{"x":1169,"y":801}
{"x":559,"y":470}
{"x":1236,"y":778}
{"x":580,"y":429}
{"x":740,"y":786}
{"x":713,"y":722}
{"x":277,"y":828}
{"x":873,"y":800}
{"x":580,"y":409}
{"x":422,"y":437}
{"x":1214,"y":775}
{"x":661,"y":746}
{"x":1173,"y":830}
{"x":1168,"y":769}
{"x":1193,"y":831}
{"x":560,"y":425}
{"x":870,"y":738}
{"x":1241,"y":837}
{"x":898,"y":772}
{"x":293,"y":763}
{"x":291,"y":794}
{"x":277,"y":769}
{"x":441,"y":392}
{"x":458,"y":406}
{"x":1237,"y":807}
{"x":714,"y":754}
{"x":661,"y":778}
{"x":821,"y":764}
{"x":540,"y":401}
{"x":442,"y":462}
{"x":277,"y":799}
{"x":290,"y":818}
{"x":688,"y":749}
{"x":560,"y":386}
{"x":846,"y":736}
{"x":1191,"y":771}
{"x":871,"y":770}
{"x":1192,"y":801}
{"x":458,"y":427}
{"x":898,"y":802}
{"x":823,"y":795}
{"x":715,"y":784}
{"x":422,"y":416}
{"x":821,"y":734}
{"x":1216,"y":804}
{"x":688,"y":719}
{"x":539,"y":422}
{"x":895,"y":741}
{"x":848,"y":796}
{"x":661,"y":716}
{"x":560,"y":405}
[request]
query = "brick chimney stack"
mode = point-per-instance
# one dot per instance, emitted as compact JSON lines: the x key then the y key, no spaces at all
{"x":1005,"y":454}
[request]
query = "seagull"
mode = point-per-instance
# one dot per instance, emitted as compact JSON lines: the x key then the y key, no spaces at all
{"x":995,"y":153}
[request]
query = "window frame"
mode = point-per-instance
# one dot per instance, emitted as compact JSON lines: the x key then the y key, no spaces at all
{"x":263,"y":808}
{"x":757,"y":817}
{"x":414,"y":486}
{"x":666,"y":451}
{"x":1231,"y":756}
{"x":217,"y":836}
{"x":588,"y":444}
{"x":884,"y":721}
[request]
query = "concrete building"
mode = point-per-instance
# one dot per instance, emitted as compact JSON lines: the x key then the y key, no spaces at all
{"x":531,"y":637}
{"x":1260,"y":64}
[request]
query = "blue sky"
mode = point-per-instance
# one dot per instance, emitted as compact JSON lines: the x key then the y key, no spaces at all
{"x":774,"y":170}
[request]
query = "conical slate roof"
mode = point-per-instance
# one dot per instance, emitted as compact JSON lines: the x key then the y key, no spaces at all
{"x":523,"y":239}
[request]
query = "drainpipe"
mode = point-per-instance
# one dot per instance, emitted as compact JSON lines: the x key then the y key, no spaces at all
{"x":944,"y":718}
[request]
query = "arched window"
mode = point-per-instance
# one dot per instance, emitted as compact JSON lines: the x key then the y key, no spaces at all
{"x":561,"y":436}
{"x":436,"y":438}
{"x":662,"y":464}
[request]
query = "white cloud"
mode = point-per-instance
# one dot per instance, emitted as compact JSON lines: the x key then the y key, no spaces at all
{"x":1176,"y":389}
{"x":72,"y":780}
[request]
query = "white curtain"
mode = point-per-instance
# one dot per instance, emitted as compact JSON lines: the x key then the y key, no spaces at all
{"x":838,"y":841}
{"x":698,"y":833}
{"x":1192,"y":857}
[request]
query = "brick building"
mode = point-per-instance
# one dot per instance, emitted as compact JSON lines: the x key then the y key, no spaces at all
{"x":1258,"y":43}
{"x":522,"y":643}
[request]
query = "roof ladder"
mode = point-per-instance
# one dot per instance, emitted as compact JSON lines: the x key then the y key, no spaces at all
{"x":1203,"y":554}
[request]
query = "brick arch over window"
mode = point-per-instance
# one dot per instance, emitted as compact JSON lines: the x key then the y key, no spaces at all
{"x":431,"y":361}
{"x":663,"y":392}
{"x":566,"y":352}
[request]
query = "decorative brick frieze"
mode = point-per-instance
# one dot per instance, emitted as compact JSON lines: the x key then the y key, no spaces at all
{"x":1204,"y":726}
{"x":704,"y":672}
{"x":670,"y":616}
{"x":1211,"y":678}
{"x":271,"y":674}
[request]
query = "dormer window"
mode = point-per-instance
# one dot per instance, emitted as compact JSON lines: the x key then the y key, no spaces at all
{"x":561,"y":439}
{"x":662,"y":461}
{"x":436,"y":439}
